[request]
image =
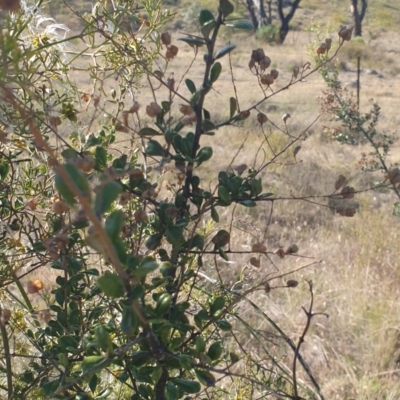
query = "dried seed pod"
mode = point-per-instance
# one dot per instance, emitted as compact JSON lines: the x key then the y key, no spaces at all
{"x":55,"y":121}
{"x":233,"y":104}
{"x":34,"y":286}
{"x":86,"y":163}
{"x":347,"y":192}
{"x":265,"y":63}
{"x":393,"y":175}
{"x":292,"y":249}
{"x":252,"y":64}
{"x":346,"y":32}
{"x":255,"y":262}
{"x":10,"y":5}
{"x":135,"y":107}
{"x":340,"y":182}
{"x":186,"y":120}
{"x":328,"y":42}
{"x":296,"y":71}
{"x":330,"y":98}
{"x":258,"y":248}
{"x":321,"y":48}
{"x":267,"y":79}
{"x":346,"y":212}
{"x":140,"y":216}
{"x":185,"y":109}
{"x":280,"y":252}
{"x":124,"y":198}
{"x":292,"y":283}
{"x":244,"y":115}
{"x":5,"y":316}
{"x":267,"y":287}
{"x":153,"y":110}
{"x":159,"y":74}
{"x":193,"y":117}
{"x":32,"y":204}
{"x":285,"y":117}
{"x":240,"y":168}
{"x":171,"y":84}
{"x":262,"y":118}
{"x":60,"y":207}
{"x":136,"y":173}
{"x":166,"y":38}
{"x":274,"y":73}
{"x":257,"y":55}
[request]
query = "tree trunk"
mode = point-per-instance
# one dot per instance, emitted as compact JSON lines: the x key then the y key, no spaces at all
{"x":257,"y":13}
{"x":285,"y":20}
{"x":358,"y":16}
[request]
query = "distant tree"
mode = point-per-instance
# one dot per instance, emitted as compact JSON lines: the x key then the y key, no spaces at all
{"x":260,"y":18}
{"x":358,"y":16}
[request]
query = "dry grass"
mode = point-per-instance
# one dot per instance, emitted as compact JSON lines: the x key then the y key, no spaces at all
{"x":355,"y":353}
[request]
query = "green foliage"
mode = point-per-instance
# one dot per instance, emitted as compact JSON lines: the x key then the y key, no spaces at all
{"x":128,"y":315}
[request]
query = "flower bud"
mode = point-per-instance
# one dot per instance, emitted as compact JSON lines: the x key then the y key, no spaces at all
{"x":166,"y":38}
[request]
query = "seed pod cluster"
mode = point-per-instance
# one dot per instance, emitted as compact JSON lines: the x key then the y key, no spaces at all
{"x":345,"y":32}
{"x":153,"y":109}
{"x":260,"y":62}
{"x":172,"y":51}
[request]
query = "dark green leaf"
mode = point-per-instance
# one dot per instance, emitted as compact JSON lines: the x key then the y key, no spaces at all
{"x":192,"y":41}
{"x":224,"y":325}
{"x":146,"y":266}
{"x":207,"y":28}
{"x":187,"y":386}
{"x":226,"y":7}
{"x":224,"y":51}
{"x":190,"y":85}
{"x":111,"y":284}
{"x":215,"y":351}
{"x":69,"y":154}
{"x":114,"y":224}
{"x":77,"y":177}
{"x":153,"y":148}
{"x":147,"y":131}
{"x":245,"y":25}
{"x":224,"y":195}
{"x":248,"y":203}
{"x":215,"y":71}
{"x":129,"y":322}
{"x":174,"y":235}
{"x":204,"y":154}
{"x":223,"y":254}
{"x":101,"y":158}
{"x":205,"y":16}
{"x":196,"y":241}
{"x":214,"y":214}
{"x":205,"y":377}
{"x":106,"y":195}
{"x":50,"y":387}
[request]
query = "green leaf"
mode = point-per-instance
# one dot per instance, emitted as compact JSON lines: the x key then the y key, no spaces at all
{"x":4,"y":170}
{"x":217,"y":304}
{"x":129,"y":322}
{"x":192,"y":41}
{"x":100,"y":155}
{"x":190,"y":85}
{"x":226,"y":7}
{"x":174,"y":235}
{"x":204,"y":154}
{"x":148,"y":132}
{"x":207,"y":28}
{"x":91,"y":362}
{"x":106,"y":195}
{"x":215,"y":71}
{"x":232,"y":106}
{"x":114,"y":223}
{"x":248,"y":203}
{"x":205,"y":16}
{"x":224,"y":51}
{"x":224,"y":325}
{"x":190,"y":387}
{"x":224,"y":195}
{"x":153,"y":241}
{"x":207,"y":125}
{"x":245,"y":25}
{"x":50,"y":387}
{"x":77,"y":177}
{"x":205,"y":377}
{"x":111,"y":284}
{"x":196,"y":241}
{"x":153,"y":148}
{"x":69,"y":154}
{"x":163,"y":304}
{"x":265,"y":195}
{"x":147,"y":266}
{"x":215,"y":351}
{"x":103,"y":338}
{"x":214,"y":214}
{"x":223,"y":254}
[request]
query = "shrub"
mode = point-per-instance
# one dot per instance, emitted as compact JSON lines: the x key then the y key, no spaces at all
{"x":113,"y":283}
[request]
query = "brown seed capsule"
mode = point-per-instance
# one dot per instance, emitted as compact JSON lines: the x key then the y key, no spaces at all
{"x":292,"y":249}
{"x":10,"y":5}
{"x":153,"y":110}
{"x":158,"y":74}
{"x":348,"y":192}
{"x":285,"y":117}
{"x":274,"y":73}
{"x":267,"y":287}
{"x":60,"y":207}
{"x":258,"y":248}
{"x":265,"y":63}
{"x":257,"y":55}
{"x":34,"y":286}
{"x":136,"y":173}
{"x":252,"y":64}
{"x":296,"y":71}
{"x":262,"y":118}
{"x":267,"y":79}
{"x":244,"y":115}
{"x":330,"y":98}
{"x":255,"y":262}
{"x":240,"y":168}
{"x":55,"y":121}
{"x":328,"y":42}
{"x":321,"y":48}
{"x":140,"y":216}
{"x":340,"y":181}
{"x":292,"y":283}
{"x":186,"y":120}
{"x":171,"y":84}
{"x":32,"y":204}
{"x":135,"y":107}
{"x":346,"y":32}
{"x":185,"y":109}
{"x":86,"y":163}
{"x":280,"y":252}
{"x":166,"y":38}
